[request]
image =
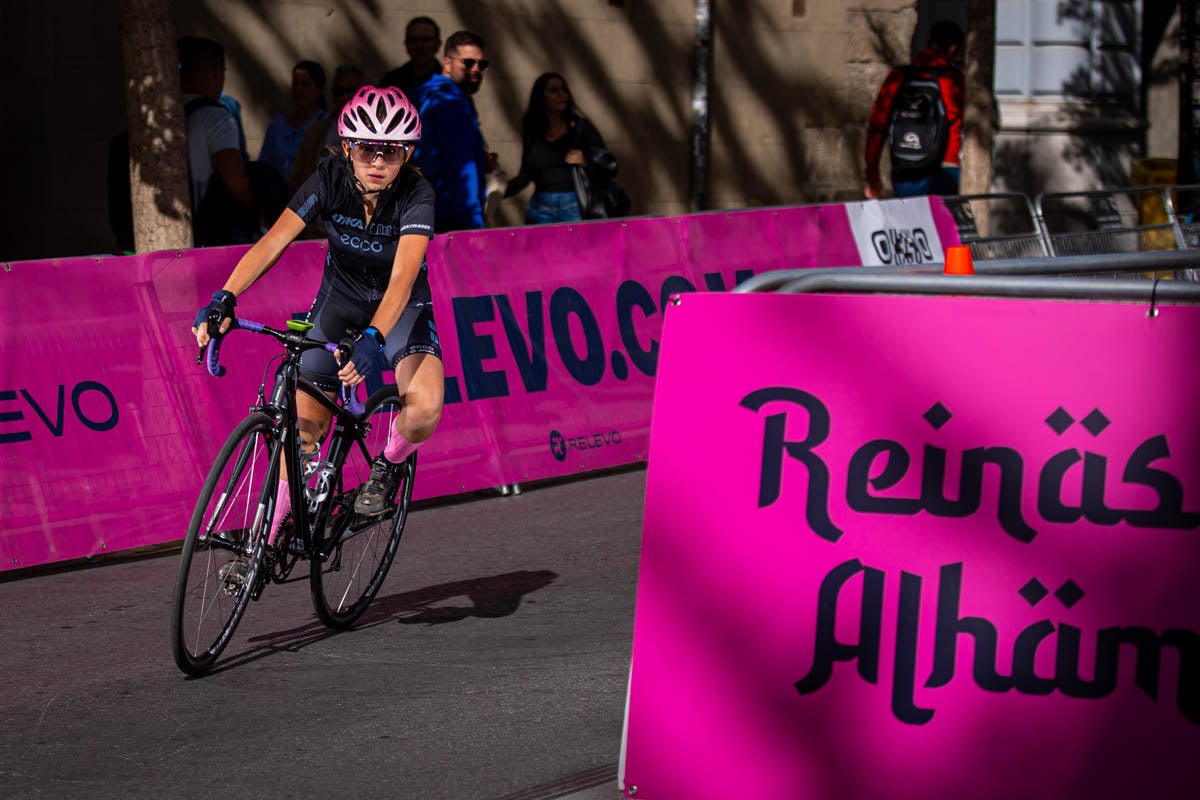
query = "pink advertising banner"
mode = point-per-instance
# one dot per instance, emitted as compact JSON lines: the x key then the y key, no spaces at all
{"x":550,"y":335}
{"x":916,"y":547}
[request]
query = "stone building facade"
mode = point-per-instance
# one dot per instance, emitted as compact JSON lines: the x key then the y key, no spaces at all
{"x":790,"y":89}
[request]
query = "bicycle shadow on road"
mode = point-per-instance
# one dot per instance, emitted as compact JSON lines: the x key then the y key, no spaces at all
{"x":490,"y":597}
{"x":497,"y":596}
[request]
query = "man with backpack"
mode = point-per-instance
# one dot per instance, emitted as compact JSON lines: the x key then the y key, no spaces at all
{"x":231,"y":197}
{"x":222,"y":197}
{"x":918,"y":115}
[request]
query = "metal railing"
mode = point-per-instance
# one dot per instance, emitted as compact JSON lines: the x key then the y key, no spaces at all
{"x":1127,"y":220}
{"x":1154,"y":262}
{"x":1007,"y":226}
{"x":1151,"y":292}
{"x":1010,"y":227}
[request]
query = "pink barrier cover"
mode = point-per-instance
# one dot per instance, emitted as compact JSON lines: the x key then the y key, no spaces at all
{"x":913,"y":547}
{"x":107,"y":426}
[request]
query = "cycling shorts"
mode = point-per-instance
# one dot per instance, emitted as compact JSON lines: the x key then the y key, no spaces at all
{"x":335,"y":316}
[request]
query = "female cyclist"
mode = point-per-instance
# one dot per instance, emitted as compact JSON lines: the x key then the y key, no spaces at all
{"x":377,"y":211}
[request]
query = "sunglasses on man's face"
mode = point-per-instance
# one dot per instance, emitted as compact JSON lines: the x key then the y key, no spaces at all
{"x":366,"y":152}
{"x":470,"y":63}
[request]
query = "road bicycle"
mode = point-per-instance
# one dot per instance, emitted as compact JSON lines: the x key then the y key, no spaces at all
{"x":348,"y":554}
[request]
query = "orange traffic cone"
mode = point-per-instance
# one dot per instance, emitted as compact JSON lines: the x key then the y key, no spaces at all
{"x":958,"y":260}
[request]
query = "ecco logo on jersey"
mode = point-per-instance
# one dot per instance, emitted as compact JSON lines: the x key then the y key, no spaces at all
{"x":365,"y":245}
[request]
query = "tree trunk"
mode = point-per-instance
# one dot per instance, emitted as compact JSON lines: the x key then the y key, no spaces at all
{"x":979,"y":114}
{"x":158,"y":168}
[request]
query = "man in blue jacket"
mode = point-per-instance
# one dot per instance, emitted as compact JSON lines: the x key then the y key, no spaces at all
{"x":452,"y":152}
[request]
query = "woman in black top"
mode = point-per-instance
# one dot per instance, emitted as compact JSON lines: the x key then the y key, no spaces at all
{"x":377,"y":212}
{"x":556,"y":138}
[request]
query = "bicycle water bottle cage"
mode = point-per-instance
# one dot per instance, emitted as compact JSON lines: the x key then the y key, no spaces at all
{"x":299,"y":325}
{"x":316,"y":494}
{"x":309,"y":458}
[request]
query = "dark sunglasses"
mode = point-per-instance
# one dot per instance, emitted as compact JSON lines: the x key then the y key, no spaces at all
{"x":340,"y":90}
{"x":365,"y":153}
{"x":470,"y":63}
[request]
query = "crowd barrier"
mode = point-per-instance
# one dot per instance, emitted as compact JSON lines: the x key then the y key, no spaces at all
{"x":1131,"y":219}
{"x":948,"y":552}
{"x":550,"y":334}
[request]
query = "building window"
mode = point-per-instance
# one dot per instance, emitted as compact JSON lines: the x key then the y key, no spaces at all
{"x":1069,"y":49}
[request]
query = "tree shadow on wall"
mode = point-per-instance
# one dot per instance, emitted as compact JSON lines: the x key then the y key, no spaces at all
{"x":1101,"y":110}
{"x":660,"y":115}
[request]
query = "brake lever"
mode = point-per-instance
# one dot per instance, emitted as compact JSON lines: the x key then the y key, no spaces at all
{"x":214,"y":328}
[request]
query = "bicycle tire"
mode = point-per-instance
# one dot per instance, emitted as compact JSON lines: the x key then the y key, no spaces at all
{"x":231,"y":520}
{"x":344,"y":586}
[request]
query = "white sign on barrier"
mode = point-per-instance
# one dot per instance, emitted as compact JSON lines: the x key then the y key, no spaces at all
{"x":895,"y":232}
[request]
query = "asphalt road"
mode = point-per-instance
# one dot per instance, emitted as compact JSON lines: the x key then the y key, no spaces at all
{"x":493,"y":666}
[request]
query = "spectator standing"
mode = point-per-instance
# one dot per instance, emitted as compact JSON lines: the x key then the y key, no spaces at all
{"x":452,"y":153}
{"x":321,"y":139}
{"x":286,"y":130}
{"x":935,"y":63}
{"x":223,"y":204}
{"x":555,"y":137}
{"x":235,"y":110}
{"x":422,"y":39}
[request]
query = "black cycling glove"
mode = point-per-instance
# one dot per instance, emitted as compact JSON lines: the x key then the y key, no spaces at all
{"x":368,"y":347}
{"x":221,"y":307}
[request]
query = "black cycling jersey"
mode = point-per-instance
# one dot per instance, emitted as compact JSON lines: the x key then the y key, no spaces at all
{"x":359,"y":263}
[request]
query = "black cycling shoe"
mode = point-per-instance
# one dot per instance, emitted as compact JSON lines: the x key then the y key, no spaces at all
{"x":376,"y":494}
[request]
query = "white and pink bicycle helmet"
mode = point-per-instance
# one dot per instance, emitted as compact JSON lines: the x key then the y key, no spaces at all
{"x":380,"y":115}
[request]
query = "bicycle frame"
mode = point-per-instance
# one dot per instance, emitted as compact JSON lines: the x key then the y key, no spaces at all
{"x":237,"y":507}
{"x":346,"y":431}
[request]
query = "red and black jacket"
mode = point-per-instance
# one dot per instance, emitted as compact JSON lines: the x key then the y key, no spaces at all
{"x":952,"y":82}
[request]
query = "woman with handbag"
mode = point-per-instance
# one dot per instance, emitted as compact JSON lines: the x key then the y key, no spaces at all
{"x":562,"y":156}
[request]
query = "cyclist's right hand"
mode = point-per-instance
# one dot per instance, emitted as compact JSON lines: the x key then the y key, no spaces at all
{"x":219,"y":311}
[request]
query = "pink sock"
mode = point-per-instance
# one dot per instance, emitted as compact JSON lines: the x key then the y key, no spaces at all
{"x":398,"y":448}
{"x":283,"y":504}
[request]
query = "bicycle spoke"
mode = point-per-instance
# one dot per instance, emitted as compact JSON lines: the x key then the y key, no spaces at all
{"x":345,"y":585}
{"x":218,"y":570}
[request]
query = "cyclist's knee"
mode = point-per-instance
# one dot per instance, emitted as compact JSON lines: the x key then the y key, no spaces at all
{"x":422,"y":427}
{"x":420,"y":420}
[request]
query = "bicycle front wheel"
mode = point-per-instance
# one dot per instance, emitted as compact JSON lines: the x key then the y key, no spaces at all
{"x":223,"y":552}
{"x":362,"y":547}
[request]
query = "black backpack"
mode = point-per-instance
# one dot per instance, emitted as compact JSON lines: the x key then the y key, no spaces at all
{"x":918,"y":128}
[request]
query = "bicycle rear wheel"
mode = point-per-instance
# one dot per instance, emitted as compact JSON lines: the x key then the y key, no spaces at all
{"x":230,"y":524}
{"x":345,"y":584}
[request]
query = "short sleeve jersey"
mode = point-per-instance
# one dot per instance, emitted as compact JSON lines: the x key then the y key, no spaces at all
{"x":359,"y":263}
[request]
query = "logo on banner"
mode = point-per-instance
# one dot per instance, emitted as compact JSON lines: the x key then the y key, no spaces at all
{"x":558,"y":446}
{"x":91,"y":405}
{"x":562,"y":330}
{"x":895,"y":232}
{"x":796,"y":465}
{"x":561,"y":445}
{"x":902,"y":246}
